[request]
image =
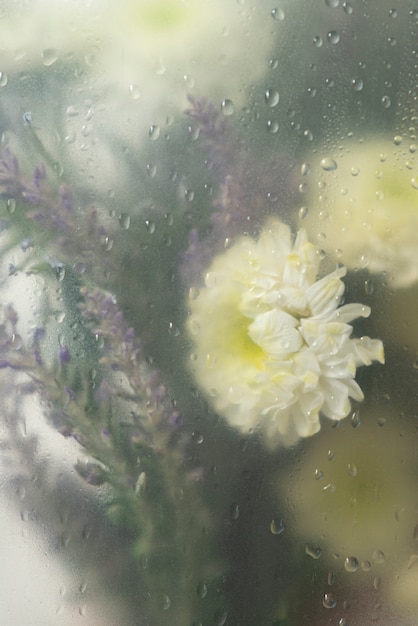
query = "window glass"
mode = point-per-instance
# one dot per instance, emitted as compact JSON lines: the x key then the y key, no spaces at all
{"x":208,"y":338}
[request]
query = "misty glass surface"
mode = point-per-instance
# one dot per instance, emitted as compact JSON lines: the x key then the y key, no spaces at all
{"x":208,"y":312}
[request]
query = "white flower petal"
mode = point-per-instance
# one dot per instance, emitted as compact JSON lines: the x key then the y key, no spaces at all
{"x":271,"y":347}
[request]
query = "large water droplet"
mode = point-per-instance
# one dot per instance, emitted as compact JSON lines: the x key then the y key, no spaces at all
{"x":271,"y":97}
{"x":277,"y":527}
{"x":333,"y":37}
{"x":227,"y":107}
{"x":357,"y":84}
{"x":329,"y":601}
{"x":385,"y":102}
{"x":328,"y":164}
{"x":277,"y":14}
{"x":351,"y":564}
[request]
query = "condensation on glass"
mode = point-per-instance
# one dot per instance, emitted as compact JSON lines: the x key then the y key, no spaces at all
{"x":208,"y":334}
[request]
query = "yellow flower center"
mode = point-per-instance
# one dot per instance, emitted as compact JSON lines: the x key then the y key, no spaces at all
{"x":159,"y":15}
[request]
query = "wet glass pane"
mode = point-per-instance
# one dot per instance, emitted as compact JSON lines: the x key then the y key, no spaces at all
{"x":208,"y":329}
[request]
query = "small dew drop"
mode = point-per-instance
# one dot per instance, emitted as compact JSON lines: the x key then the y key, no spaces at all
{"x":357,"y":84}
{"x":378,"y":556}
{"x":271,"y":97}
{"x":313,"y":551}
{"x":329,"y":601}
{"x":165,"y":602}
{"x":385,"y":102}
{"x":333,"y":37}
{"x":197,"y":437}
{"x":154,"y":132}
{"x":3,"y":79}
{"x":397,"y":140}
{"x":227,"y":107}
{"x":328,"y":164}
{"x":150,"y":226}
{"x":351,"y":564}
{"x":202,"y":590}
{"x":352,"y":470}
{"x":368,"y":287}
{"x":124,"y":221}
{"x":277,"y":527}
{"x":272,"y":126}
{"x":355,"y":419}
{"x":414,"y":183}
{"x":317,"y":41}
{"x":49,"y":56}
{"x":332,"y":3}
{"x":277,"y":14}
{"x":134,"y":92}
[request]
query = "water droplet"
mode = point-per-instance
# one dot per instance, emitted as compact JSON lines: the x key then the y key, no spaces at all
{"x":227,"y":107}
{"x":154,"y":132}
{"x":378,"y":556}
{"x":49,"y":56}
{"x":317,"y":41}
{"x":271,"y":97}
{"x":150,"y":226}
{"x":348,"y":8}
{"x":234,"y":511}
{"x":11,"y":206}
{"x":277,"y":14}
{"x":414,"y":183}
{"x":165,"y":602}
{"x":197,"y":437}
{"x":318,"y":474}
{"x":366,"y":566}
{"x":151,"y":169}
{"x":351,"y":564}
{"x":272,"y":126}
{"x":305,"y":169}
{"x":125,"y":221}
{"x":352,"y":470}
{"x":355,"y":419}
{"x":385,"y":102}
{"x":397,"y":140}
{"x":173,"y":330}
{"x":328,"y":164}
{"x":3,"y":79}
{"x":220,"y":618}
{"x":357,"y":84}
{"x":331,"y":455}
{"x":329,"y":601}
{"x":134,"y":92}
{"x":189,"y":194}
{"x":333,"y":37}
{"x":277,"y":527}
{"x":332,"y":3}
{"x":313,"y":551}
{"x":393,"y":13}
{"x":202,"y":590}
{"x":71,"y":137}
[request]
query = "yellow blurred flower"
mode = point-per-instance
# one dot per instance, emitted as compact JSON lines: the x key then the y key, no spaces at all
{"x":354,"y":495}
{"x":362,"y":209}
{"x":272,"y":347}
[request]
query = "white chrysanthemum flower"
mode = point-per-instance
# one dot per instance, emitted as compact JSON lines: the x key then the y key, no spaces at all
{"x":272,"y":347}
{"x":363,"y":209}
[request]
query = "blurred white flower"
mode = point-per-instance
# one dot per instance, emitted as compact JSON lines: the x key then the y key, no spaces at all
{"x":272,"y":347}
{"x":156,"y":51}
{"x":354,"y":495}
{"x":363,"y":209}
